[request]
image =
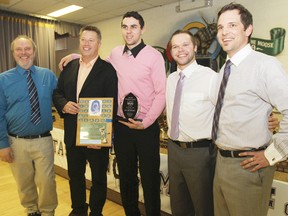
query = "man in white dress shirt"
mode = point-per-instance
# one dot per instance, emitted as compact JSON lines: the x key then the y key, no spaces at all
{"x":191,"y":157}
{"x":247,"y":150}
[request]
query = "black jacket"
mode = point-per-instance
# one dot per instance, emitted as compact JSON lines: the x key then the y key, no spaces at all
{"x":102,"y":81}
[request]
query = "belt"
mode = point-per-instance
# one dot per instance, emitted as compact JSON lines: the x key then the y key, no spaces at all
{"x":235,"y":153}
{"x":201,"y":143}
{"x":46,"y":134}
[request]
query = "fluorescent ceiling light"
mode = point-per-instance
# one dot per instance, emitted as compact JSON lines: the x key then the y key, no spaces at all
{"x":65,"y":10}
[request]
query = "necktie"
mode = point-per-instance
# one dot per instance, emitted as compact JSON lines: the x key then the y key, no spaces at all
{"x":33,"y":97}
{"x":220,"y":99}
{"x":176,"y":107}
{"x":128,"y":52}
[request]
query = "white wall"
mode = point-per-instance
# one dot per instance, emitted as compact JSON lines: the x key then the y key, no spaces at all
{"x":162,"y":21}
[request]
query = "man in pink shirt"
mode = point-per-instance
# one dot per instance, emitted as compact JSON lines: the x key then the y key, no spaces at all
{"x":141,"y":71}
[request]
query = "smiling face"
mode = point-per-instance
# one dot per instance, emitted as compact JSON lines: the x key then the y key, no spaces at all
{"x":231,"y":34}
{"x":89,"y":45}
{"x":131,"y":31}
{"x":183,"y":50}
{"x":23,"y":52}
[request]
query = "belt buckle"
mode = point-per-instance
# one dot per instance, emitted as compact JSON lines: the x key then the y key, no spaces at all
{"x":183,"y":144}
{"x":232,"y":154}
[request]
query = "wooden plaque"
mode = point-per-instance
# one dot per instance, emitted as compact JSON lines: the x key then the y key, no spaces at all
{"x":94,"y":123}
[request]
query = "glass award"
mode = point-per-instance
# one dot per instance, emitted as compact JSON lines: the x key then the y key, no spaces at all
{"x":130,"y":107}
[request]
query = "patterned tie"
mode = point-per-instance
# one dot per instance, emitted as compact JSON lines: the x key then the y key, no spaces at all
{"x":34,"y":102}
{"x":176,"y":107}
{"x":220,"y":100}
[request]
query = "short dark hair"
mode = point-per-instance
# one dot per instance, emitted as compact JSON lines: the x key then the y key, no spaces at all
{"x":91,"y":28}
{"x":194,"y":41}
{"x":135,"y":15}
{"x":245,"y":15}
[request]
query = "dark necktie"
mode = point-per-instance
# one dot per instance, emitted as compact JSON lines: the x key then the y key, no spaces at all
{"x":220,"y":100}
{"x":176,"y":107}
{"x":33,"y":97}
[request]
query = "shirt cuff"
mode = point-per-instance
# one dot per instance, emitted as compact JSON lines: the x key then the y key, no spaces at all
{"x":272,"y":155}
{"x":4,"y":144}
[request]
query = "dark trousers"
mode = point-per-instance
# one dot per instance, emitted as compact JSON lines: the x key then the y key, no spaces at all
{"x":191,"y":173}
{"x":77,"y":158}
{"x":133,"y":148}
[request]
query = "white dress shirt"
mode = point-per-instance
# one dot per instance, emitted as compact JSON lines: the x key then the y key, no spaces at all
{"x":197,"y":102}
{"x":257,"y":83}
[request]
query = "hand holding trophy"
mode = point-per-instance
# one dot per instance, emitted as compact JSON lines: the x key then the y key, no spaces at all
{"x":130,"y":109}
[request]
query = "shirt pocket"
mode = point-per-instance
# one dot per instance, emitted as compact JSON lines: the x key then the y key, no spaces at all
{"x":193,"y":101}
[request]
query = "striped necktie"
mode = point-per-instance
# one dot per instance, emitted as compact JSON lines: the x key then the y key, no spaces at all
{"x":220,"y":100}
{"x":33,"y":97}
{"x":176,"y":108}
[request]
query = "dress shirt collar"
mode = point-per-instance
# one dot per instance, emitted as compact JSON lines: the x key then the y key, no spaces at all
{"x":241,"y":55}
{"x":189,"y":69}
{"x":89,"y":64}
{"x":136,"y":49}
{"x":22,"y":71}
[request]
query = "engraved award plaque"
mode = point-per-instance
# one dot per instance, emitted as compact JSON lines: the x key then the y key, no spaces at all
{"x":94,"y":123}
{"x":130,"y":107}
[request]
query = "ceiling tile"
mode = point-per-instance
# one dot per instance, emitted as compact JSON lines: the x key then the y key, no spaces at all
{"x":94,"y":10}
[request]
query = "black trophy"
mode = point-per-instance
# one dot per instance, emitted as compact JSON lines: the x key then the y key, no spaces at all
{"x":130,"y":107}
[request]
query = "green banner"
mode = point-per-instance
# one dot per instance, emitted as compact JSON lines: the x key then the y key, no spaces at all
{"x":271,"y":47}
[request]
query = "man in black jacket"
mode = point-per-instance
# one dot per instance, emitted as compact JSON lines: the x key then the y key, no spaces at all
{"x":88,"y":77}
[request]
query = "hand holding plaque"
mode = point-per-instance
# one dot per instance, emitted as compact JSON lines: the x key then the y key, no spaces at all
{"x":94,"y":122}
{"x":130,"y":107}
